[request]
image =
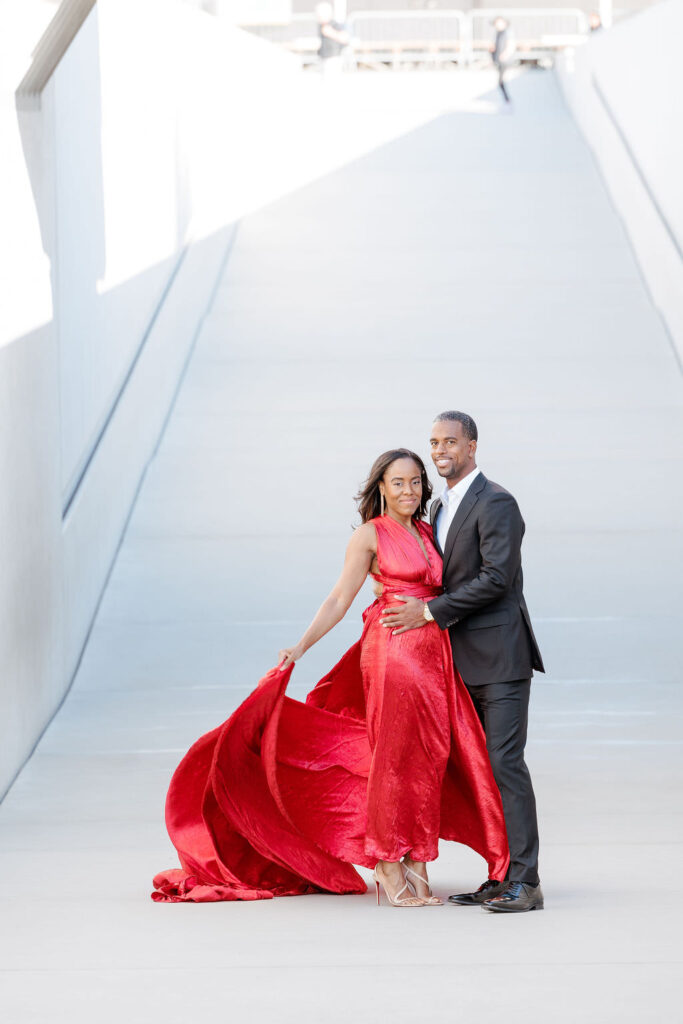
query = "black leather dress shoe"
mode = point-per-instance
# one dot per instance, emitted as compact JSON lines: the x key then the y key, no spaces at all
{"x":484,"y":892}
{"x":516,"y":898}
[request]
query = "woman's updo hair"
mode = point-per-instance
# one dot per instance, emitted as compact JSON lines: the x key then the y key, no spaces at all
{"x":369,"y":498}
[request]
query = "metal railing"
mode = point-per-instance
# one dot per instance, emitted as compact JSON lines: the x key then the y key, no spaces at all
{"x":432,"y":36}
{"x":408,"y":36}
{"x":299,"y":36}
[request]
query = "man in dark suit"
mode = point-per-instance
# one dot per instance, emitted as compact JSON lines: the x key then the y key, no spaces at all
{"x":478,"y":529}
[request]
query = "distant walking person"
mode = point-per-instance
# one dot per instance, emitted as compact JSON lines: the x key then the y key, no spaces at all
{"x":333,"y":38}
{"x":502,"y":52}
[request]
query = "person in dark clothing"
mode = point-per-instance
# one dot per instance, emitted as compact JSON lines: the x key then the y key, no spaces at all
{"x":333,"y":36}
{"x":502,"y":52}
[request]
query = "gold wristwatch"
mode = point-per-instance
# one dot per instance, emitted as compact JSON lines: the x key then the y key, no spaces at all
{"x":427,"y":614}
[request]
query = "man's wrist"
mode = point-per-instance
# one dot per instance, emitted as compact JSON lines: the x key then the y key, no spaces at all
{"x":426,"y":614}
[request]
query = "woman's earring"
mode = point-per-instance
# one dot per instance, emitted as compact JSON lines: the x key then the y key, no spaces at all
{"x":381,"y":503}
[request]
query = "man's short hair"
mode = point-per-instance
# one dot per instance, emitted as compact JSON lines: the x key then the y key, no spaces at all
{"x":469,"y":427}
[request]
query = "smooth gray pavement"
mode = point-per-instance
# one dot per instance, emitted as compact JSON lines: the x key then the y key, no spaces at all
{"x":474,"y":262}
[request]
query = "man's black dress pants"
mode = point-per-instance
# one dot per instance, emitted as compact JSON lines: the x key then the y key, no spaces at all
{"x":503,"y":710}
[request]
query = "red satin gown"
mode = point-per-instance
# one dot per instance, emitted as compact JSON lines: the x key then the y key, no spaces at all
{"x":386,"y":756}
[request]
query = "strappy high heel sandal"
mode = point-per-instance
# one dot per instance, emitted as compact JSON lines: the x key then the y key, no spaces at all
{"x":397,"y":901}
{"x":430,"y":900}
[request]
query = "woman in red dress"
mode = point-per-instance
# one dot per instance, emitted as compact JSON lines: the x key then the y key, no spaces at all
{"x":386,"y":756}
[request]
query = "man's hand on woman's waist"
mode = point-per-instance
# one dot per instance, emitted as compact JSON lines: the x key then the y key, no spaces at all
{"x":408,"y":615}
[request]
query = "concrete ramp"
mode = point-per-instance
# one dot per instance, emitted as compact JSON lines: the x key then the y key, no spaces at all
{"x":472,"y":262}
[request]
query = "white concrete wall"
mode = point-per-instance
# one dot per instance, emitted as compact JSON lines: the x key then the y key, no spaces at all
{"x":623,"y":88}
{"x":121,"y":192}
{"x":30,"y":510}
{"x":142,"y":105}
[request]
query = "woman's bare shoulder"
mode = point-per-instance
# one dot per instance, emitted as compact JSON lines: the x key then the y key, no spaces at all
{"x":364,"y":536}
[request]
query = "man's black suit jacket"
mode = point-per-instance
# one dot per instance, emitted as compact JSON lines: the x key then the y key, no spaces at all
{"x":483,"y":606}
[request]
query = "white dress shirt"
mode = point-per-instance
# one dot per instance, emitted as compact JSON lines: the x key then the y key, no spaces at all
{"x":450,"y":499}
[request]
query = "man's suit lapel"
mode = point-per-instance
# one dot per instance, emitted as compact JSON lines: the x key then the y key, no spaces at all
{"x":433,"y":511}
{"x":462,"y":512}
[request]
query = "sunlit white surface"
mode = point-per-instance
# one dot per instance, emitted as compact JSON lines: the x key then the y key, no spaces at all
{"x":471,"y":260}
{"x":619,"y":89}
{"x":24,"y":268}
